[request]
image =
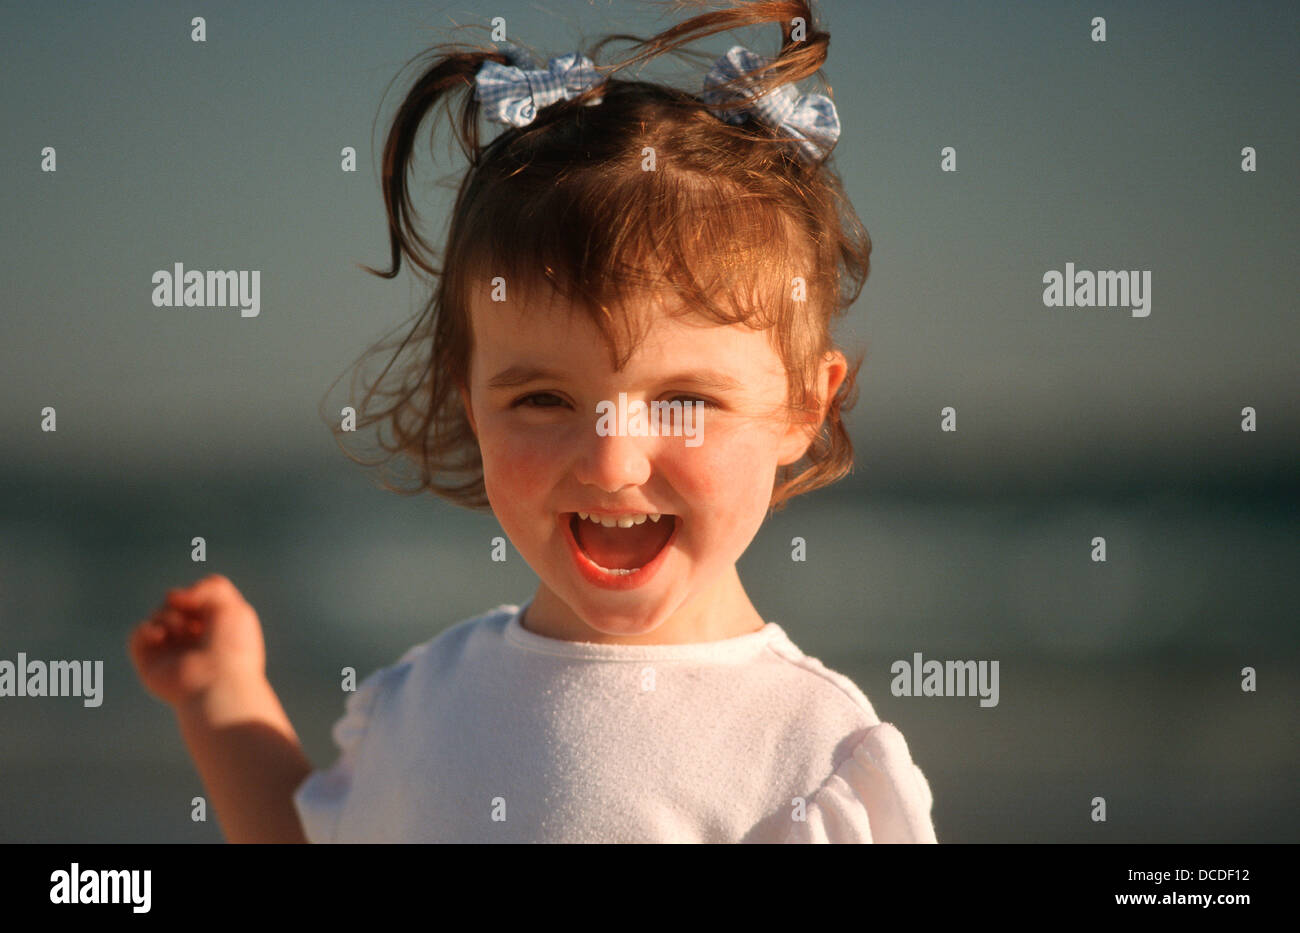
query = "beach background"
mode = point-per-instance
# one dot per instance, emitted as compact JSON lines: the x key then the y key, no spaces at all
{"x":1119,"y":679}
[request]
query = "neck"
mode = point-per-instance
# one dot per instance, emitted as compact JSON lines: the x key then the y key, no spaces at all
{"x":722,"y":611}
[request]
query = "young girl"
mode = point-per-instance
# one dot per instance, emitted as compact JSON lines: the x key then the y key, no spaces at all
{"x":621,"y":247}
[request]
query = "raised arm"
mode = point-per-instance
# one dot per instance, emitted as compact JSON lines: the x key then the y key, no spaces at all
{"x":202,"y":652}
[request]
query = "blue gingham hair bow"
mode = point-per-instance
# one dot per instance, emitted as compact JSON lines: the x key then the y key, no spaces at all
{"x":513,"y":94}
{"x":810,"y":118}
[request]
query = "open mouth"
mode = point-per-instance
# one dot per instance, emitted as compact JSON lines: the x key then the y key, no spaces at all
{"x":624,"y":546}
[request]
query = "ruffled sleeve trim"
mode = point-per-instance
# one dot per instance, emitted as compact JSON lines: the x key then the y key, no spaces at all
{"x":877,"y":795}
{"x":320,"y":798}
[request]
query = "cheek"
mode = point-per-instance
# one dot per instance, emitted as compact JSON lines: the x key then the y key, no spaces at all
{"x":518,"y":467}
{"x":731,"y":473}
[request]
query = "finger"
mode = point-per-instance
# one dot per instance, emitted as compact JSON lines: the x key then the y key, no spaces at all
{"x":149,"y":628}
{"x":185,"y":624}
{"x":213,"y":583}
{"x":212,"y":589}
{"x":178,"y":595}
{"x":145,"y":637}
{"x":172,"y":620}
{"x":189,"y":597}
{"x":139,"y":633}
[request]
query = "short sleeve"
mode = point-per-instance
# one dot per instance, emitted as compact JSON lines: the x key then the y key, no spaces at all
{"x":320,"y":799}
{"x":877,"y":795}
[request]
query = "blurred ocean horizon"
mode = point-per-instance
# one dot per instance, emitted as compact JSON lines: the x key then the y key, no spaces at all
{"x":1120,"y":679}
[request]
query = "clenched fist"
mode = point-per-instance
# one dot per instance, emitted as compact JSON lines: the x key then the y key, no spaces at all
{"x":202,"y":636}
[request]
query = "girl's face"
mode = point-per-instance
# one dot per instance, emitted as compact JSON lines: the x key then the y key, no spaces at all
{"x":537,"y":376}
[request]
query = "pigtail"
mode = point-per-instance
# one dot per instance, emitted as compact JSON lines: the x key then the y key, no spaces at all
{"x":798,"y":58}
{"x":453,"y":71}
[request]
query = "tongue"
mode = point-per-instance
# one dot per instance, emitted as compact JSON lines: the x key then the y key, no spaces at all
{"x":623,"y":548}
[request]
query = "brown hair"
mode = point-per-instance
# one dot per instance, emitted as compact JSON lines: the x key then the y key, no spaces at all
{"x":566,"y":199}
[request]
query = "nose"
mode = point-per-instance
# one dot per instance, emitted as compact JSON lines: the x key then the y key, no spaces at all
{"x":613,"y":462}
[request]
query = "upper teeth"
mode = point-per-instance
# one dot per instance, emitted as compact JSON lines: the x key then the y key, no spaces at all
{"x":625,"y":521}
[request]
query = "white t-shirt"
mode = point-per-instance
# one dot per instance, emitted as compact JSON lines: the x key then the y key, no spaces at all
{"x":492,"y":733}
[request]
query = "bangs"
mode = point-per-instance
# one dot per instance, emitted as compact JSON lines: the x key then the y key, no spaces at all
{"x":607,"y":232}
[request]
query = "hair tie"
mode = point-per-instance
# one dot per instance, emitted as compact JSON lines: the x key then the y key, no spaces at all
{"x":513,"y":94}
{"x":810,"y":118}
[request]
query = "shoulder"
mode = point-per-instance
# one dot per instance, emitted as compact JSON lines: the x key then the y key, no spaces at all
{"x":871,"y":790}
{"x":421,"y":662}
{"x":808,"y":682}
{"x":326,"y":795}
{"x":442,"y":650}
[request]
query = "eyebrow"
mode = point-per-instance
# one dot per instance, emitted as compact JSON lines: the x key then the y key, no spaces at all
{"x":521,"y":375}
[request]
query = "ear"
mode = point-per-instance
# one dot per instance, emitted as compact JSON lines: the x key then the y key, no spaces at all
{"x":469,"y":409}
{"x":799,"y":434}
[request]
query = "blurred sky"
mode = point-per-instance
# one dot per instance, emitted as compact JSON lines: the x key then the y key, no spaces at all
{"x":225,"y":155}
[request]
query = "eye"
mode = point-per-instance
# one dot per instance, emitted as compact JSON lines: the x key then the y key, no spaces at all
{"x":551,"y":400}
{"x":523,"y":401}
{"x":706,"y":402}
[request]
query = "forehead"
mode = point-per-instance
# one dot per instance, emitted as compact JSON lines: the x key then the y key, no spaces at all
{"x":542,"y":327}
